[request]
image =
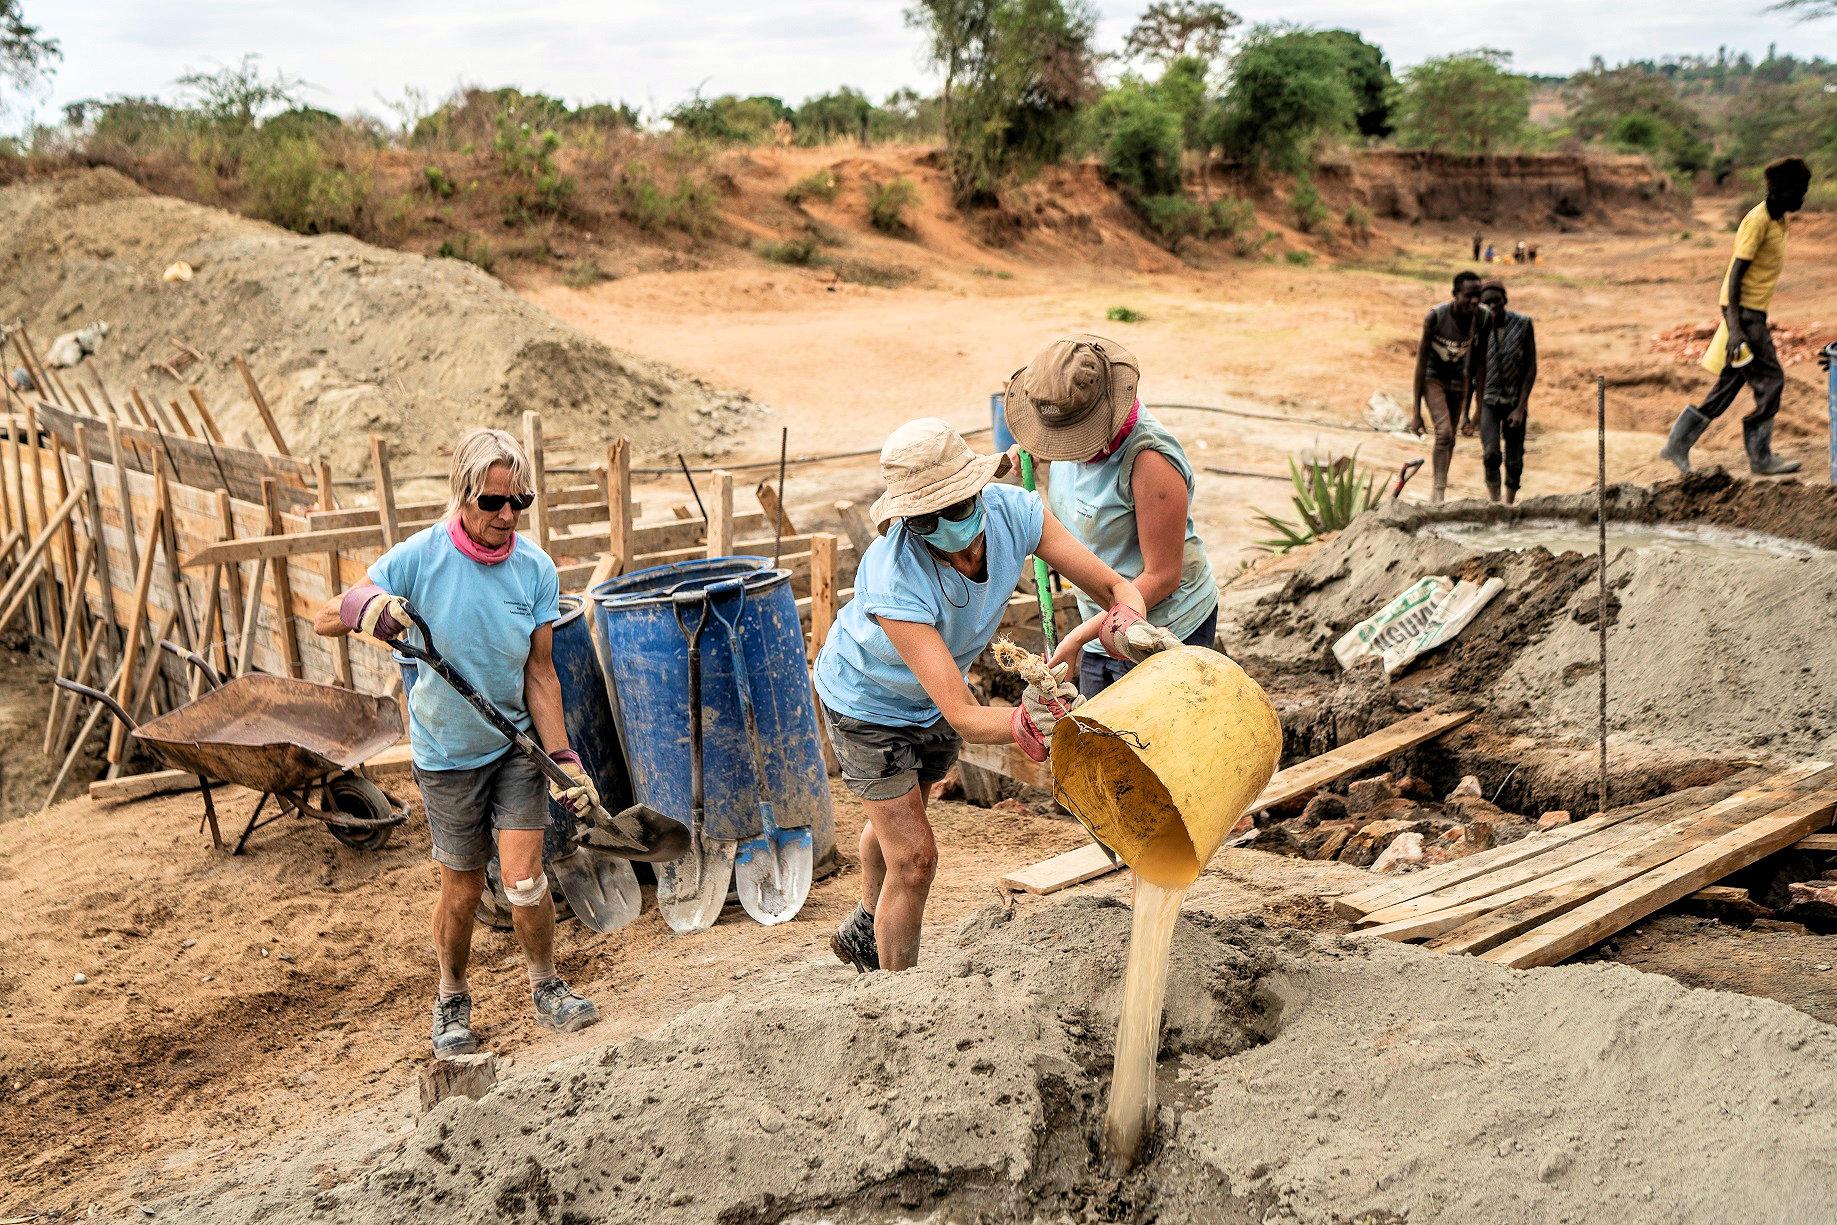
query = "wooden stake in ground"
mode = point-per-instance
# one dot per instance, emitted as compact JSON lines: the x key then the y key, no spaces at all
{"x":261,"y":406}
{"x":232,"y":582}
{"x":721,"y":515}
{"x":143,"y":585}
{"x":385,"y":492}
{"x":618,"y":506}
{"x":341,"y":645}
{"x":1601,"y":566}
{"x":283,"y":585}
{"x":532,"y":443}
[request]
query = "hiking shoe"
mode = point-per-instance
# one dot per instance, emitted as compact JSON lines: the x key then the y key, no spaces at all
{"x":560,"y":1008}
{"x":854,"y":941}
{"x":453,"y":1026}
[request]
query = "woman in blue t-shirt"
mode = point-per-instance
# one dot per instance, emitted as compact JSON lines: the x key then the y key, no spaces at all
{"x":930,"y":595}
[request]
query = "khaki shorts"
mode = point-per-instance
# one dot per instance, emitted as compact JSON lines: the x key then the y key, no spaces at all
{"x":884,"y":763}
{"x":465,"y":806}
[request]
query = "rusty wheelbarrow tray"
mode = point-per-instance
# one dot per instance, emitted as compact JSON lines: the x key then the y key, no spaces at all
{"x":281,"y":737}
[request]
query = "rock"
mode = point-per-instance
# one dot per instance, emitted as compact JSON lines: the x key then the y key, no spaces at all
{"x":1333,"y":841}
{"x":1474,"y":807}
{"x":1469,"y":786}
{"x":469,"y":1076}
{"x":1553,"y":818}
{"x":1403,"y":853}
{"x":1368,"y":793}
{"x":1478,"y":836}
{"x":1322,"y":808}
{"x":1013,"y":804}
{"x":1365,"y":846}
{"x":1411,"y":787}
{"x":79,"y":979}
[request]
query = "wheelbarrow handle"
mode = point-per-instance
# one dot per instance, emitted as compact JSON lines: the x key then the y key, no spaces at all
{"x":96,"y":695}
{"x":195,"y":660}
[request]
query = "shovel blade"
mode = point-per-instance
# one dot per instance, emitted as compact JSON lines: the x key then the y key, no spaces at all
{"x":692,"y":888}
{"x":772,"y":874}
{"x":601,"y":889}
{"x":640,"y":832}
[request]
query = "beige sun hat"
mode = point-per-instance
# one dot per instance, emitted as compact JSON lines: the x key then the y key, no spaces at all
{"x":927,"y":466}
{"x":1069,"y":401}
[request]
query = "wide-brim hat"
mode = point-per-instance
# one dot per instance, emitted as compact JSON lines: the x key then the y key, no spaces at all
{"x":927,"y":466}
{"x":1072,"y":398}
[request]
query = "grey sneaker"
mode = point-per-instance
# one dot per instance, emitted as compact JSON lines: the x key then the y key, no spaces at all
{"x":453,"y":1026}
{"x":560,"y":1008}
{"x":854,"y":941}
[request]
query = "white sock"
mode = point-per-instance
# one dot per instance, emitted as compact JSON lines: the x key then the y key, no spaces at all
{"x":539,"y":974}
{"x":451,"y":986}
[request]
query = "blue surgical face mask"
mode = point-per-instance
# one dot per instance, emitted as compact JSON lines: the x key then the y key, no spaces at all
{"x":954,"y":537}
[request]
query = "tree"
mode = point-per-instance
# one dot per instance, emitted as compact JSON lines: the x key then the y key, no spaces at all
{"x":27,"y":58}
{"x":237,"y":97}
{"x":1288,"y":89}
{"x":1170,"y":30}
{"x":1805,"y":10}
{"x":1637,"y":109}
{"x":1368,"y":74}
{"x":953,"y":30}
{"x":1464,"y":104}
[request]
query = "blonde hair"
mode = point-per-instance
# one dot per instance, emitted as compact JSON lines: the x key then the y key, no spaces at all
{"x":473,"y":456}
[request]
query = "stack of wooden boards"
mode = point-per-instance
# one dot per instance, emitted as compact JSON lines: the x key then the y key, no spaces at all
{"x":1549,"y":896}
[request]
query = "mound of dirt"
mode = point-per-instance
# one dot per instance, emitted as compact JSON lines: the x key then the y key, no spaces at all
{"x":1310,"y":1078}
{"x":1713,"y":645}
{"x":348,"y":339}
{"x":1561,"y":190}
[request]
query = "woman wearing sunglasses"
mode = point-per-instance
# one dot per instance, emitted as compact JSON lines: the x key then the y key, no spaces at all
{"x":1122,"y":484}
{"x":490,"y":598}
{"x":929,"y":597}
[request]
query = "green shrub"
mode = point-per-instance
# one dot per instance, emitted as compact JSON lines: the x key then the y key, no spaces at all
{"x":584,"y":274}
{"x":291,"y":183}
{"x":1298,"y":257}
{"x":887,"y":204}
{"x":438,"y":182}
{"x":821,"y":185}
{"x":1123,"y":314}
{"x":479,"y":253}
{"x":1310,"y":213}
{"x":1229,"y":217}
{"x":1358,"y":222}
{"x":800,"y":251}
{"x":528,"y":158}
{"x":641,"y":200}
{"x":1171,"y":218}
{"x":1326,"y":499}
{"x":1000,"y":274}
{"x":1138,"y":139}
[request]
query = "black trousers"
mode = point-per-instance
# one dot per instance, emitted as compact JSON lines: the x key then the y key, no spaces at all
{"x":1763,"y":375}
{"x":1502,"y":443}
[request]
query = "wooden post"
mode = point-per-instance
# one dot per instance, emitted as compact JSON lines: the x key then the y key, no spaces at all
{"x":341,"y":645}
{"x":15,"y":515}
{"x":137,"y":411}
{"x":618,"y":505}
{"x":16,"y":585}
{"x":283,"y":588}
{"x":261,"y":406}
{"x":22,"y":340}
{"x":143,"y":585}
{"x":60,"y":729}
{"x":66,"y":536}
{"x":232,"y":578}
{"x":721,"y":515}
{"x":204,"y":416}
{"x":98,"y":540}
{"x":385,"y":492}
{"x":178,"y":414}
{"x":190,"y":632}
{"x":774,"y":508}
{"x":251,"y":616}
{"x":532,"y":444}
{"x":108,"y":401}
{"x":73,"y":615}
{"x":822,"y":588}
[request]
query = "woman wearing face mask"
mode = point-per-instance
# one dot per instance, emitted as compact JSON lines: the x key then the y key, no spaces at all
{"x":1122,"y":484}
{"x":929,"y":598}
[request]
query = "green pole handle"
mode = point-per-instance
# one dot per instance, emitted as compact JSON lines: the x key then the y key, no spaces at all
{"x":1047,"y":628}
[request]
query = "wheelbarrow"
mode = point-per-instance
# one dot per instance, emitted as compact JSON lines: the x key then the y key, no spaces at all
{"x":282,"y":737}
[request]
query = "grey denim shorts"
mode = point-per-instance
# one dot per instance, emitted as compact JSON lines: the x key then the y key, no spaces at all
{"x":465,"y":806}
{"x":883,"y":763}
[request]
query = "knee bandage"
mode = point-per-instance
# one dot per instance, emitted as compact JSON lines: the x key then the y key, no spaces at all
{"x":527,"y":892}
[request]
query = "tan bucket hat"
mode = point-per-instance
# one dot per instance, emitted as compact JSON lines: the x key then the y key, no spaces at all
{"x":927,"y":466}
{"x":1069,"y":401}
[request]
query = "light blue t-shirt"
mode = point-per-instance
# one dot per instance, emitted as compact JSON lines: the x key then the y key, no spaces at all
{"x":858,"y":671}
{"x":1096,"y":502}
{"x":481,"y":618}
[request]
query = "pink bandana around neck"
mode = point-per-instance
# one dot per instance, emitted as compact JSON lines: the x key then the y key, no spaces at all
{"x":473,"y":549}
{"x":1122,"y":435}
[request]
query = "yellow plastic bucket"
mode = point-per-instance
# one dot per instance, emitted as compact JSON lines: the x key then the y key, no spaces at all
{"x":1163,"y":763}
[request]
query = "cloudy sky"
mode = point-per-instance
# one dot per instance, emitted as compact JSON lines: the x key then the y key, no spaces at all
{"x":653,"y":53}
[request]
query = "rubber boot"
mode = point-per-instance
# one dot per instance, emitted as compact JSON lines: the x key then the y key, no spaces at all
{"x":1762,"y":461}
{"x":1684,"y":434}
{"x":1492,"y":490}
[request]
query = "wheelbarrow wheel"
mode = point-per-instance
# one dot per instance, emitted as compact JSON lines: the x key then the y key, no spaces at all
{"x":360,"y":797}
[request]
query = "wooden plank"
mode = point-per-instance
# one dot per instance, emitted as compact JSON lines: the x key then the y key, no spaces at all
{"x":855,"y":522}
{"x":1074,"y":867}
{"x":283,"y":588}
{"x":822,"y":589}
{"x":385,"y":492}
{"x":261,"y":406}
{"x":1007,"y":760}
{"x":1601,"y":917}
{"x":284,"y":545}
{"x":391,"y":762}
{"x":143,"y":581}
{"x":532,"y":446}
{"x":204,"y":417}
{"x":618,"y":507}
{"x":774,"y":508}
{"x":139,"y":786}
{"x":1564,"y":891}
{"x":340,"y":645}
{"x":1818,"y":843}
{"x":721,"y":515}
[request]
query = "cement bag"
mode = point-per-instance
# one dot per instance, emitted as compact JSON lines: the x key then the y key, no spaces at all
{"x":70,"y":348}
{"x":1426,"y":614}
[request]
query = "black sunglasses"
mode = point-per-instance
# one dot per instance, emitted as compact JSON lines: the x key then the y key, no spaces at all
{"x":492,"y":503}
{"x":956,"y":512}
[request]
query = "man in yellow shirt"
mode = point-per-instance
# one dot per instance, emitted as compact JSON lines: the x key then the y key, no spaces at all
{"x":1742,"y":351}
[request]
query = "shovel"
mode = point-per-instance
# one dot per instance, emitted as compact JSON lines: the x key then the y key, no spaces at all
{"x":600,"y":888}
{"x":772,"y":870}
{"x":1403,"y":476}
{"x":692,"y":888}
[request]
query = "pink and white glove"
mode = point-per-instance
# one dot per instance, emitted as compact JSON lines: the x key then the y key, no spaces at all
{"x":1039,"y":713}
{"x":1128,"y":635}
{"x":368,"y":609}
{"x":583,"y":795}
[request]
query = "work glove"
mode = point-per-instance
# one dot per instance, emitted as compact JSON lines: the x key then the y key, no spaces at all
{"x":370,"y":610}
{"x":582,"y":796}
{"x":1127,"y":635}
{"x":1040,"y":711}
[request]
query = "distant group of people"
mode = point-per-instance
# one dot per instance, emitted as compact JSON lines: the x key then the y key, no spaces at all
{"x":1475,"y":367}
{"x":1522,"y":252}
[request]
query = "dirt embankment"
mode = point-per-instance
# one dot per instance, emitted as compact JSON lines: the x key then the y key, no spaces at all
{"x":1548,"y":190}
{"x":348,"y":339}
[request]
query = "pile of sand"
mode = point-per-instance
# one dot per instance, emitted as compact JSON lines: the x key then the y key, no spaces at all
{"x":1314,"y":1078}
{"x":1708,"y":652}
{"x":348,"y":339}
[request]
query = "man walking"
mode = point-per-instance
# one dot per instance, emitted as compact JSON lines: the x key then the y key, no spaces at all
{"x":1508,"y":371}
{"x":1742,"y":351}
{"x":1445,"y":364}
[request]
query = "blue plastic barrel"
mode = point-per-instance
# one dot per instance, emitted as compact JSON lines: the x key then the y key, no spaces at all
{"x":647,"y":660}
{"x":587,"y":709}
{"x":998,"y":417}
